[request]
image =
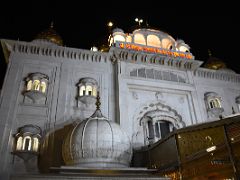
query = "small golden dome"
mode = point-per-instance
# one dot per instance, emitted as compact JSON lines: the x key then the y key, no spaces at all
{"x":103,"y":48}
{"x":50,"y":35}
{"x":214,"y":63}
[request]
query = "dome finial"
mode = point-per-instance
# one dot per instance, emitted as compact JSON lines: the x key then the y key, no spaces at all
{"x":98,"y":112}
{"x":98,"y":103}
{"x":51,"y":25}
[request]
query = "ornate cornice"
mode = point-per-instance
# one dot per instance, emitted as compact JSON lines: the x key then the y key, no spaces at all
{"x":217,"y":75}
{"x":118,"y":54}
{"x":52,"y":51}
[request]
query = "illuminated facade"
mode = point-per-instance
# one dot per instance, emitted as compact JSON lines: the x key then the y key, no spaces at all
{"x":150,"y":84}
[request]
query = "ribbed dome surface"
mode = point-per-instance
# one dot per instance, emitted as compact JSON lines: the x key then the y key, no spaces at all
{"x":97,"y":142}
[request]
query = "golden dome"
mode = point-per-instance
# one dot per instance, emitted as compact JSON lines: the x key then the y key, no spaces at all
{"x":214,"y":63}
{"x":50,"y":35}
{"x":103,"y":48}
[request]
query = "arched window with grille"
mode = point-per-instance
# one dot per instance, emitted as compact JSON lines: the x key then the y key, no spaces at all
{"x":213,"y":104}
{"x":87,"y":90}
{"x":27,"y":143}
{"x":36,"y":88}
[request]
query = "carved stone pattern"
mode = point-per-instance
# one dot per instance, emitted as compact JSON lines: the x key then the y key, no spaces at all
{"x":161,"y":111}
{"x":158,"y":75}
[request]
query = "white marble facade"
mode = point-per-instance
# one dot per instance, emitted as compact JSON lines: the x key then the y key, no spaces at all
{"x":133,"y":85}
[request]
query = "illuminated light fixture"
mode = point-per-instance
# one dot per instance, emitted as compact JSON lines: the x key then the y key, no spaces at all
{"x":139,"y":21}
{"x":155,"y":50}
{"x":94,"y":49}
{"x":210,"y":149}
{"x":110,"y":24}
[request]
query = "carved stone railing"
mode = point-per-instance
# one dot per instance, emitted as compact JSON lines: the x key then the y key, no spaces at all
{"x":54,"y":51}
{"x":217,"y":74}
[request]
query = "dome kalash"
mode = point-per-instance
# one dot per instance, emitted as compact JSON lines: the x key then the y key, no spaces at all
{"x":97,"y":143}
{"x":150,"y":40}
{"x":49,"y":36}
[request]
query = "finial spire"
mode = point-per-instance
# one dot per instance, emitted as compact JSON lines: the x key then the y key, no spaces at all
{"x":98,"y":112}
{"x":209,"y":53}
{"x":51,"y":25}
{"x":98,"y":103}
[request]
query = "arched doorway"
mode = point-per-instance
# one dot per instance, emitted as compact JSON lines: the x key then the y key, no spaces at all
{"x":155,"y":121}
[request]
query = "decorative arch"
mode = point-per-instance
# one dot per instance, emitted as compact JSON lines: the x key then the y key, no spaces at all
{"x":153,"y":40}
{"x":159,"y":110}
{"x":156,"y":111}
{"x":167,"y":43}
{"x":139,"y":39}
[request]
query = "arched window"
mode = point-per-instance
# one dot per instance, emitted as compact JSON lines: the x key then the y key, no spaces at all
{"x":119,"y":37}
{"x":89,"y":90}
{"x":82,"y":91}
{"x":27,"y":143}
{"x":129,"y":39}
{"x":217,"y":103}
{"x":87,"y":87}
{"x":37,"y":82}
{"x":154,"y":129}
{"x":43,"y":87}
{"x":35,"y":144}
{"x":94,"y":91}
{"x":139,"y":39}
{"x":150,"y":129}
{"x":153,"y":40}
{"x":166,"y":43}
{"x":183,"y":49}
{"x":162,"y":128}
{"x":182,"y":46}
{"x":213,"y":104}
{"x":36,"y":85}
{"x":36,"y":88}
{"x":29,"y":85}
{"x":19,"y":143}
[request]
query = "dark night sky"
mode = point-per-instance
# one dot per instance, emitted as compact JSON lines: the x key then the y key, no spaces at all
{"x":202,"y":28}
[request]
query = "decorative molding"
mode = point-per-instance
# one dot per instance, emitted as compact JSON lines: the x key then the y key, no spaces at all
{"x":217,"y":75}
{"x":163,"y":111}
{"x":54,"y":51}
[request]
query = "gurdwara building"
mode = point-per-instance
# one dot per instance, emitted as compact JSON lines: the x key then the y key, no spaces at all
{"x":65,"y":111}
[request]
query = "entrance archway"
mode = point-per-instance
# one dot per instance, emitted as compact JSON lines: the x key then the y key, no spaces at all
{"x":153,"y":122}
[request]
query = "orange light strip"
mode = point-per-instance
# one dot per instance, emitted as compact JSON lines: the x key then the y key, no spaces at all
{"x":155,"y":50}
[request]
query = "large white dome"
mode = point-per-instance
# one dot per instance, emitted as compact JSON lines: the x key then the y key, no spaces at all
{"x":97,"y":142}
